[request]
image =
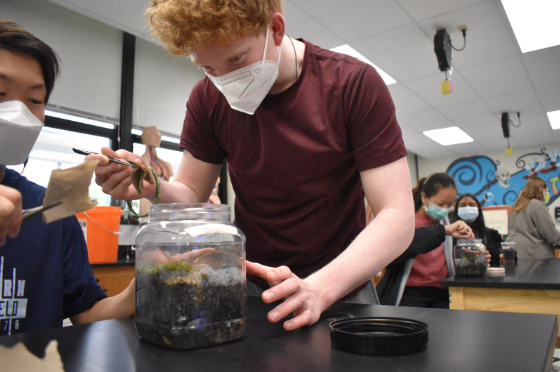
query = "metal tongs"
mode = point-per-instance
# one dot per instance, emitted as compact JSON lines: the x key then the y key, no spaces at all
{"x":33,"y":211}
{"x":112,"y":160}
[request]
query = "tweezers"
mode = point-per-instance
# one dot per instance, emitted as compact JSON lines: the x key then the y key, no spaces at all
{"x":112,"y":160}
{"x":33,"y":211}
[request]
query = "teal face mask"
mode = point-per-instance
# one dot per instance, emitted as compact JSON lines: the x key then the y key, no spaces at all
{"x":437,"y":213}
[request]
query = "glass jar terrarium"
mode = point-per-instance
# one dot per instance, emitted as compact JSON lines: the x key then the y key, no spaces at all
{"x":190,"y":277}
{"x":469,"y":257}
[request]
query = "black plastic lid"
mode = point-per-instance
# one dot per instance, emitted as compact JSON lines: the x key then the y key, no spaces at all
{"x":379,"y":336}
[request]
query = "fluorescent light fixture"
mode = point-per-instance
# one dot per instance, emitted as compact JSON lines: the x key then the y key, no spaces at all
{"x":347,"y":49}
{"x":138,"y":132}
{"x":534,"y":23}
{"x":554,"y":118}
{"x":448,"y":136}
{"x":170,"y":139}
{"x":79,"y":119}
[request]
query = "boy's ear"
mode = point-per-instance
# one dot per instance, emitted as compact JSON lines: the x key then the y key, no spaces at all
{"x":278,"y":28}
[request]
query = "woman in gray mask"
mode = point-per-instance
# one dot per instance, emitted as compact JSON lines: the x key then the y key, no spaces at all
{"x":467,"y":208}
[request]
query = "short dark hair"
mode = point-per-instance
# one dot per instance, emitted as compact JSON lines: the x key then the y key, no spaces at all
{"x":15,"y":38}
{"x":431,"y":186}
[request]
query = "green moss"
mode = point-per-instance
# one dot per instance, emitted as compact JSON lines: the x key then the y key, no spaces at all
{"x":172,"y":266}
{"x":176,"y":266}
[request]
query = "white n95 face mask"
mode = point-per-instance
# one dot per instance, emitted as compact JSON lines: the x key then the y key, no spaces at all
{"x":246,"y":87}
{"x":19,"y":130}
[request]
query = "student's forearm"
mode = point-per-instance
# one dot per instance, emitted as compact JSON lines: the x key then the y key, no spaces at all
{"x":385,"y":238}
{"x":174,"y":192}
{"x":119,"y":306}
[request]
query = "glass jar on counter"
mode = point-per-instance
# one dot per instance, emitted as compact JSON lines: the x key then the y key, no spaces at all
{"x":469,"y":257}
{"x":509,"y":252}
{"x":190,"y":277}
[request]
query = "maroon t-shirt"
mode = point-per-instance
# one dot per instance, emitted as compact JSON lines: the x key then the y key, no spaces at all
{"x":295,"y":163}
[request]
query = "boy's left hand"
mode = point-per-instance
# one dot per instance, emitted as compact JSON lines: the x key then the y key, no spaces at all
{"x":301,"y":298}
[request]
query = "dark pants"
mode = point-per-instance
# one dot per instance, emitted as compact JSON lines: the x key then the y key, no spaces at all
{"x":425,"y":297}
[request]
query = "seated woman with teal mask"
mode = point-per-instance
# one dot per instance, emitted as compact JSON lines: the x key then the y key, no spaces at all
{"x":434,"y":198}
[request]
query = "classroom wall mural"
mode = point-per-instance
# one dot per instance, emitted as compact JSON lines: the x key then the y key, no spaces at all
{"x":494,"y":184}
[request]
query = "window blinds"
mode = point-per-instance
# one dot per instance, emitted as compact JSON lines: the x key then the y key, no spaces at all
{"x":162,"y":85}
{"x":90,"y":51}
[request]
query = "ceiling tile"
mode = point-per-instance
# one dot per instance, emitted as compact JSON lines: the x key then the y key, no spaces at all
{"x":489,"y":130}
{"x":355,"y":19}
{"x":497,"y":78}
{"x":543,"y":66}
{"x":406,"y":101}
{"x":549,"y":97}
{"x":498,"y":144}
{"x":300,"y":25}
{"x":391,"y":51}
{"x":470,"y":148}
{"x":468,"y":113}
{"x":420,"y":10}
{"x":488,"y":38}
{"x":533,"y":138}
{"x":529,"y":124}
{"x":525,"y":102}
{"x":424,"y":120}
{"x":429,"y":88}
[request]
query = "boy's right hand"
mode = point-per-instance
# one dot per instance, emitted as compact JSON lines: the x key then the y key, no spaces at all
{"x":10,"y":213}
{"x":114,"y":179}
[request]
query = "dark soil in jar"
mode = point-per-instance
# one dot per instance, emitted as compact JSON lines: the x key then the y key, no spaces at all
{"x":182,"y":308}
{"x":470,"y":267}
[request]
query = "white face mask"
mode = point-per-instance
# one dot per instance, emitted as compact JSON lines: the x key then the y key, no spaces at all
{"x":19,"y":130}
{"x":246,"y":87}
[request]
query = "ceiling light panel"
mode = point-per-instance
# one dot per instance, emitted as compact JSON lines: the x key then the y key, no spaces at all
{"x":534,"y":23}
{"x":448,"y":136}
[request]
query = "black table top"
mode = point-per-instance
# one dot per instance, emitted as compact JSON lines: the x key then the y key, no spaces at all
{"x":525,"y":274}
{"x":118,"y":263}
{"x":458,"y":341}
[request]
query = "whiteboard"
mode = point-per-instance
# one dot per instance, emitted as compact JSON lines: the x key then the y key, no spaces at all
{"x":496,"y":219}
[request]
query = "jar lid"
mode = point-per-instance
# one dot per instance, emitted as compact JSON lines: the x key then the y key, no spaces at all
{"x":379,"y":335}
{"x":495,"y":271}
{"x":469,"y":241}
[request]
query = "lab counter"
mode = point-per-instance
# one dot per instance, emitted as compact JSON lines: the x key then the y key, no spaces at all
{"x":458,"y":341}
{"x":525,"y":274}
{"x":114,"y":277}
{"x":529,"y":286}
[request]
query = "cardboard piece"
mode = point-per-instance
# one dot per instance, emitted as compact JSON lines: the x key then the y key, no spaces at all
{"x":71,"y":186}
{"x":18,"y":358}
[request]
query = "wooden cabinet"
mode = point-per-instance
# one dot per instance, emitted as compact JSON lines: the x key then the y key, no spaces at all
{"x":113,"y":279}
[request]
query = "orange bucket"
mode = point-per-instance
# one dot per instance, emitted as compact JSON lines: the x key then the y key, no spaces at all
{"x":101,"y":227}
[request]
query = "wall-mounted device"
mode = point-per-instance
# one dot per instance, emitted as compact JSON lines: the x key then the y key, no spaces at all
{"x":442,"y":47}
{"x":505,"y":124}
{"x":444,"y":53}
{"x":506,"y":121}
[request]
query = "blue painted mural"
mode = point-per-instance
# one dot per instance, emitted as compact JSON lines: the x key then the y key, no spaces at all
{"x":495,"y":185}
